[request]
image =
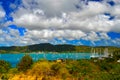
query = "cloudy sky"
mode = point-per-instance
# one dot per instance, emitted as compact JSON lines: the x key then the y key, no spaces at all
{"x":77,"y":22}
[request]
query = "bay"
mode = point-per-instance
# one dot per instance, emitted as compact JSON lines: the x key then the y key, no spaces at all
{"x":15,"y":58}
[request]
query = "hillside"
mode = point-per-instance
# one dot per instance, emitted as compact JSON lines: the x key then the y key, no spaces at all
{"x":46,"y":47}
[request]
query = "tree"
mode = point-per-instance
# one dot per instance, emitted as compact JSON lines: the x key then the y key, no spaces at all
{"x":4,"y":66}
{"x":25,"y":63}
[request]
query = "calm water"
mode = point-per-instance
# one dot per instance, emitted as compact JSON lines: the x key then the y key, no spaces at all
{"x":15,"y":58}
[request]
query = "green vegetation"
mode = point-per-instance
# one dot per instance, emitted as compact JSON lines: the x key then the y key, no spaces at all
{"x":4,"y":69}
{"x":46,"y":47}
{"x":4,"y":66}
{"x":25,"y":63}
{"x":93,"y":69}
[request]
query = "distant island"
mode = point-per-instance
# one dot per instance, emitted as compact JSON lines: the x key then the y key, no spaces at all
{"x":47,"y":47}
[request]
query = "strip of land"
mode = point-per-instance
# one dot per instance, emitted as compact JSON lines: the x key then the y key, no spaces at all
{"x":46,"y":47}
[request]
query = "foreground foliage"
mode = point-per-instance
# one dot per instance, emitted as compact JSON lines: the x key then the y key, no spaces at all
{"x":25,"y":63}
{"x":94,"y":69}
{"x":4,"y":66}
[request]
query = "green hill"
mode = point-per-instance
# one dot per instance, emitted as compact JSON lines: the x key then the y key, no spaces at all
{"x":47,"y":47}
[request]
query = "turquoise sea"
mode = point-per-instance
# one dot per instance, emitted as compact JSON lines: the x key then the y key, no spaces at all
{"x":15,"y":58}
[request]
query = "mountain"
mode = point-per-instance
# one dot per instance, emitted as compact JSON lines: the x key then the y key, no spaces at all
{"x":47,"y":47}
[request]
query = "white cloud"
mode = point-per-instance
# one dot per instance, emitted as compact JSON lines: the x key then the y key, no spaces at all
{"x":13,"y":6}
{"x":117,"y":1}
{"x":12,"y":37}
{"x":9,"y":37}
{"x":50,"y":35}
{"x":117,"y":41}
{"x":92,"y":36}
{"x":116,"y":11}
{"x":89,"y":18}
{"x":2,"y":12}
{"x":93,"y":9}
{"x":51,"y":7}
{"x":46,"y":20}
{"x":1,"y":32}
{"x":2,"y":16}
{"x":35,"y":36}
{"x":70,"y":22}
{"x":104,"y":36}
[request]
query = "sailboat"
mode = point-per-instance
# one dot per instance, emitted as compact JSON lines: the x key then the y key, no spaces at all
{"x":106,"y":54}
{"x":100,"y":55}
{"x":93,"y":53}
{"x":44,"y":55}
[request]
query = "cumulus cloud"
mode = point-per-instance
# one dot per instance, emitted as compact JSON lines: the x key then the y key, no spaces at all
{"x":2,"y":15}
{"x":2,"y":12}
{"x":116,"y":11}
{"x":93,"y":36}
{"x":13,"y":6}
{"x":116,"y":41}
{"x":46,"y":20}
{"x":12,"y":37}
{"x":8,"y":36}
{"x":89,"y":18}
{"x":60,"y":34}
{"x":51,"y":7}
{"x":66,"y":21}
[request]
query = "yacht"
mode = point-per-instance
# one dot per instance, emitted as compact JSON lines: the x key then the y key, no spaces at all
{"x":93,"y":53}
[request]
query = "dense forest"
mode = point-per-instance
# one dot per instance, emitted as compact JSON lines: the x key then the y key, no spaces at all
{"x":46,"y":47}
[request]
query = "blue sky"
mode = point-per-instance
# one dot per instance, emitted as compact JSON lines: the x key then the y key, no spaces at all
{"x":77,"y":22}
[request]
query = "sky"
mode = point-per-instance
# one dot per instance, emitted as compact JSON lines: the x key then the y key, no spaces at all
{"x":76,"y":22}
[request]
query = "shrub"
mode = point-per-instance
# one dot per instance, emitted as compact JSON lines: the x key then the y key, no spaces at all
{"x":25,"y":63}
{"x":4,"y":77}
{"x":104,"y":65}
{"x":4,"y":66}
{"x":56,"y":67}
{"x":13,"y":71}
{"x":41,"y":69}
